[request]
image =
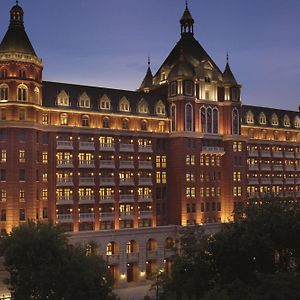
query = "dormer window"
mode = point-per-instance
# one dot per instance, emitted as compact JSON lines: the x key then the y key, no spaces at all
{"x":63,"y":99}
{"x":286,"y":121}
{"x":3,"y":92}
{"x":274,"y":120}
{"x":124,"y":105}
{"x":297,"y":122}
{"x":105,"y":103}
{"x":84,"y":101}
{"x":160,"y":108}
{"x":249,"y":118}
{"x":262,"y":119}
{"x":143,"y":107}
{"x":22,"y":93}
{"x":207,"y":79}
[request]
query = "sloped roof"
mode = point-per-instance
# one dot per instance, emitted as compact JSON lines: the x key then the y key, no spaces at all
{"x":228,"y":77}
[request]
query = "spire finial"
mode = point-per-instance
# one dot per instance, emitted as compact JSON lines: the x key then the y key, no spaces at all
{"x":186,"y":4}
{"x":149,"y":62}
{"x":17,"y":2}
{"x":227,"y":57}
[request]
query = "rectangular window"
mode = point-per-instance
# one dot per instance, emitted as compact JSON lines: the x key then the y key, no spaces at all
{"x":2,"y":195}
{"x":193,"y":207}
{"x":3,"y":214}
{"x":163,"y":161}
{"x":2,"y":175}
{"x":3,"y":155}
{"x":22,"y":114}
{"x":45,"y":177}
{"x":22,"y":175}
{"x":2,"y":114}
{"x":45,"y":119}
{"x":234,"y":147}
{"x":202,"y":206}
{"x":44,"y":194}
{"x":22,"y":216}
{"x":158,"y":161}
{"x":163,"y":177}
{"x":45,"y":157}
{"x":158,"y":178}
{"x":202,"y":160}
{"x":21,"y":156}
{"x":45,"y":213}
{"x":202,"y":192}
{"x":22,"y":135}
{"x":22,"y":195}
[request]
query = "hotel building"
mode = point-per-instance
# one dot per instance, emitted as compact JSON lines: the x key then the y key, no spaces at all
{"x":126,"y":168}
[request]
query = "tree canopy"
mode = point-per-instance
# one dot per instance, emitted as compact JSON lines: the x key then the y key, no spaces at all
{"x":42,"y":265}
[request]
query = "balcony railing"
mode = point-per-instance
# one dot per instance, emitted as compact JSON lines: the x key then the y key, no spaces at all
{"x":86,"y":146}
{"x":127,"y":215}
{"x":86,"y":181}
{"x":151,"y":254}
{"x":253,"y":180}
{"x":126,"y":164}
{"x":277,"y":154}
{"x":64,"y":200}
{"x":87,"y":199}
{"x":107,"y":199}
{"x":86,"y":164}
{"x":145,"y":165}
{"x":107,"y":164}
{"x":213,"y":150}
{"x":265,"y":167}
{"x":64,"y":182}
{"x":64,"y":145}
{"x":145,"y":148}
{"x":169,"y":253}
{"x":127,"y":147}
{"x":107,"y":147}
{"x":253,"y":153}
{"x":145,"y":214}
{"x":277,"y":168}
{"x":253,"y":195}
{"x":126,"y":181}
{"x":145,"y":198}
{"x":87,"y":217}
{"x":145,"y":181}
{"x":253,"y":167}
{"x":297,"y":154}
{"x":289,"y":154}
{"x":265,"y":153}
{"x":265,"y":180}
{"x":107,"y":216}
{"x":64,"y":163}
{"x":113,"y":259}
{"x":277,"y":181}
{"x":107,"y":181}
{"x":289,"y":168}
{"x":132,"y":257}
{"x":127,"y":198}
{"x":64,"y":218}
{"x":289,"y":181}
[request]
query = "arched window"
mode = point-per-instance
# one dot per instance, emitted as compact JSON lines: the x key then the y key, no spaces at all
{"x":209,"y":119}
{"x":274,"y":120}
{"x":125,"y":124}
{"x":124,"y":105}
{"x":3,"y":92}
{"x":297,"y":122}
{"x":249,"y":117}
{"x":215,"y":120}
{"x":235,"y":121}
{"x":105,"y":122}
{"x":143,"y":107}
{"x":36,"y":95}
{"x":22,"y":93}
{"x":144,"y":125}
{"x":203,"y":119}
{"x":160,"y":108}
{"x":84,"y":101}
{"x":286,"y":121}
{"x":63,"y":99}
{"x":262,"y":119}
{"x":173,"y":117}
{"x":3,"y":73}
{"x":105,"y":103}
{"x":161,"y":126}
{"x":63,"y":119}
{"x":85,"y":120}
{"x":188,"y":117}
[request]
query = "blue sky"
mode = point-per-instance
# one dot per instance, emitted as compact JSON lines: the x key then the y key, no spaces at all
{"x":106,"y":43}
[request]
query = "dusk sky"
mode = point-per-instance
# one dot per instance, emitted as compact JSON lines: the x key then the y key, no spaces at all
{"x":106,"y":43}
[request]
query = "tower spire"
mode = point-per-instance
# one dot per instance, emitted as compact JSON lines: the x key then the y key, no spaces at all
{"x":187,"y":22}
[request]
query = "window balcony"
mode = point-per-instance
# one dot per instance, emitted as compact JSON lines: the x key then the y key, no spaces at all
{"x":253,"y":180}
{"x":64,"y":218}
{"x":132,"y":257}
{"x":265,"y":153}
{"x":86,"y":181}
{"x":64,"y":145}
{"x":86,"y":199}
{"x":126,"y":164}
{"x":107,"y":164}
{"x":253,"y":167}
{"x":277,"y":154}
{"x":213,"y":150}
{"x":107,"y":216}
{"x":265,"y":167}
{"x":145,"y":198}
{"x":265,"y":180}
{"x":289,"y":168}
{"x":151,"y":254}
{"x":126,"y":147}
{"x":297,"y":154}
{"x":169,"y":253}
{"x":277,"y":181}
{"x":277,"y":168}
{"x":253,"y":153}
{"x":145,"y":148}
{"x":253,"y":195}
{"x":289,"y":181}
{"x":145,"y":165}
{"x":298,"y":194}
{"x":289,"y":194}
{"x":297,"y":180}
{"x":145,"y":214}
{"x":89,"y":146}
{"x":107,"y":181}
{"x":126,"y":198}
{"x":297,"y":168}
{"x":107,"y":199}
{"x":107,"y":147}
{"x":87,"y":164}
{"x":127,"y":215}
{"x":64,"y":163}
{"x":87,"y":217}
{"x":64,"y":182}
{"x":145,"y":181}
{"x":113,"y":259}
{"x":64,"y":200}
{"x":126,"y":181}
{"x":289,"y":154}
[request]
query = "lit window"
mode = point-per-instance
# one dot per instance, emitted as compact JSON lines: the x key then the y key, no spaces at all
{"x":45,"y":119}
{"x":124,"y":105}
{"x":163,"y":177}
{"x":163,"y":161}
{"x":105,"y":103}
{"x":85,"y":121}
{"x":84,"y":101}
{"x":249,"y":118}
{"x":274,"y":120}
{"x":143,"y":107}
{"x":297,"y":122}
{"x":44,"y":194}
{"x":286,"y":121}
{"x":63,"y":99}
{"x":3,"y":92}
{"x":262,"y":119}
{"x":45,"y":177}
{"x":160,"y":108}
{"x":3,"y":195}
{"x":44,"y":157}
{"x":64,"y":119}
{"x":188,"y":117}
{"x":158,"y":161}
{"x":21,"y":156}
{"x":158,"y":177}
{"x":22,"y":93}
{"x":22,"y":195}
{"x":3,"y":155}
{"x":36,"y":95}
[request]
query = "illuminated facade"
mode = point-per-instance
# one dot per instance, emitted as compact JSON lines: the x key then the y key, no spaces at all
{"x":182,"y":149}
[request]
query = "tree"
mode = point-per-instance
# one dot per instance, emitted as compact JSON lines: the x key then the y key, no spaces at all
{"x":42,"y":265}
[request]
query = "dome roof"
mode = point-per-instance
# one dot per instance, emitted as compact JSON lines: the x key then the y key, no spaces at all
{"x":16,"y":39}
{"x":182,"y":69}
